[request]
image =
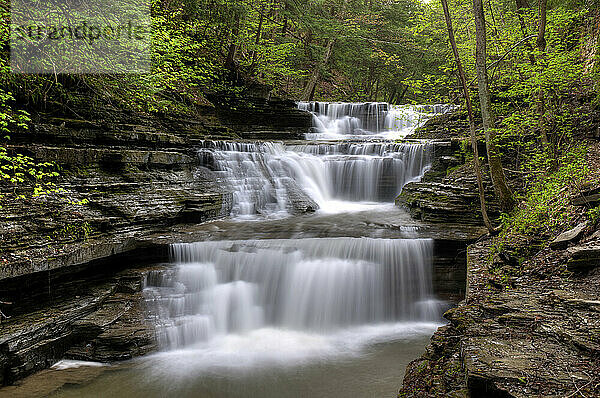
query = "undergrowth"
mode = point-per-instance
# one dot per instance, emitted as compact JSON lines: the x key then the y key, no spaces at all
{"x":544,"y":209}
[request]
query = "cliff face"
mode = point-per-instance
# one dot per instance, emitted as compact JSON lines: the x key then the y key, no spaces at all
{"x":528,"y":326}
{"x":72,"y":262}
{"x":538,"y":336}
{"x":135,"y":174}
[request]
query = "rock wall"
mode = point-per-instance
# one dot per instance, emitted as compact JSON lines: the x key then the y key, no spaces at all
{"x":527,"y":327}
{"x":72,"y":262}
{"x":93,"y":316}
{"x":448,"y":193}
{"x":536,"y":337}
{"x":114,"y":187}
{"x":259,"y":118}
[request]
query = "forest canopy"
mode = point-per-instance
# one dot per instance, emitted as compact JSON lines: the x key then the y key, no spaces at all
{"x":336,"y":50}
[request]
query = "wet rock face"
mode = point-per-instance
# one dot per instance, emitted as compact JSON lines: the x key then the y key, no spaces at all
{"x":447,"y":193}
{"x":299,"y":201}
{"x":94,"y":319}
{"x":537,"y":338}
{"x":256,"y":117}
{"x":449,"y":269}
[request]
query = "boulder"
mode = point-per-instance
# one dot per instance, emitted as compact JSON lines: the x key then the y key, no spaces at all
{"x":584,"y":258}
{"x":572,"y":235}
{"x":299,"y":202}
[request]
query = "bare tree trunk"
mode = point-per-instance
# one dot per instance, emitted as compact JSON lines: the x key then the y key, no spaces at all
{"x":523,"y":5}
{"x":496,"y":171}
{"x":400,"y":96}
{"x":463,"y":80}
{"x":591,"y":40}
{"x":541,"y":38}
{"x":541,"y":45}
{"x":393,"y":94}
{"x":309,"y":90}
{"x":230,"y":60}
{"x":285,"y":20}
{"x":258,"y":33}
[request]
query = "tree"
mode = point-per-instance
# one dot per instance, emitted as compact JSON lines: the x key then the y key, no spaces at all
{"x":465,"y":88}
{"x":504,"y":193}
{"x":309,"y":89}
{"x":541,"y":46}
{"x":523,"y":5}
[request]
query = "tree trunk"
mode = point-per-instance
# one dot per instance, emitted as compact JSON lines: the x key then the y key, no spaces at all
{"x":400,"y":97}
{"x":541,"y":38}
{"x":523,"y":5}
{"x":230,"y":60}
{"x":309,"y":89}
{"x":496,"y":171}
{"x":590,"y":37}
{"x":311,"y":85}
{"x":285,"y":20}
{"x":541,"y":46}
{"x":258,"y":33}
{"x":393,"y":94}
{"x":465,"y":88}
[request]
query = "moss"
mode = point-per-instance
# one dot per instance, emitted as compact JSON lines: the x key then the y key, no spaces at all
{"x":77,"y":231}
{"x":451,"y":170}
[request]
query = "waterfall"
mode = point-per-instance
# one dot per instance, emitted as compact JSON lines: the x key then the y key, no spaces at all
{"x":270,"y":178}
{"x":308,"y":285}
{"x":244,"y":303}
{"x":345,"y":120}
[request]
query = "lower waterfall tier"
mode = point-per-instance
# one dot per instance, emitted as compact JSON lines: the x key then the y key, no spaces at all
{"x":315,"y":285}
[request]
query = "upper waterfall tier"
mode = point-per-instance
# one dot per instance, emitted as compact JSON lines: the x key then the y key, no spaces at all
{"x":273,"y":179}
{"x":342,"y":120}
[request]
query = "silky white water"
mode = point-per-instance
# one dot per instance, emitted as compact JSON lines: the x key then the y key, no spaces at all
{"x":269,"y":179}
{"x":306,"y":285}
{"x":342,"y":120}
{"x":327,"y":305}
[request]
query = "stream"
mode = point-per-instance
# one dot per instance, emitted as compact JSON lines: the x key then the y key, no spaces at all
{"x":303,"y":291}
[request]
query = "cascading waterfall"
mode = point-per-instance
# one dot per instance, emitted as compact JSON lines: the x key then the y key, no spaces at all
{"x":344,"y":120}
{"x":308,"y":285}
{"x":370,"y":171}
{"x":227,"y":303}
{"x":266,"y":178}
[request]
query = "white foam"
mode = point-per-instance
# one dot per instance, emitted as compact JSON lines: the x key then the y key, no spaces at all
{"x":341,"y":206}
{"x":268,"y":347}
{"x":342,"y":121}
{"x":72,"y":364}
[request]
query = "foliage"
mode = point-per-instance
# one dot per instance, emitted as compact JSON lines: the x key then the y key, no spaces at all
{"x":544,"y":209}
{"x":76,"y":231}
{"x":20,"y":175}
{"x":594,"y":214}
{"x":383,"y":51}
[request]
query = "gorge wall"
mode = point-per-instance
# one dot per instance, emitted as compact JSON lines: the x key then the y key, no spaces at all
{"x":124,"y":176}
{"x":527,"y":326}
{"x":73,"y":261}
